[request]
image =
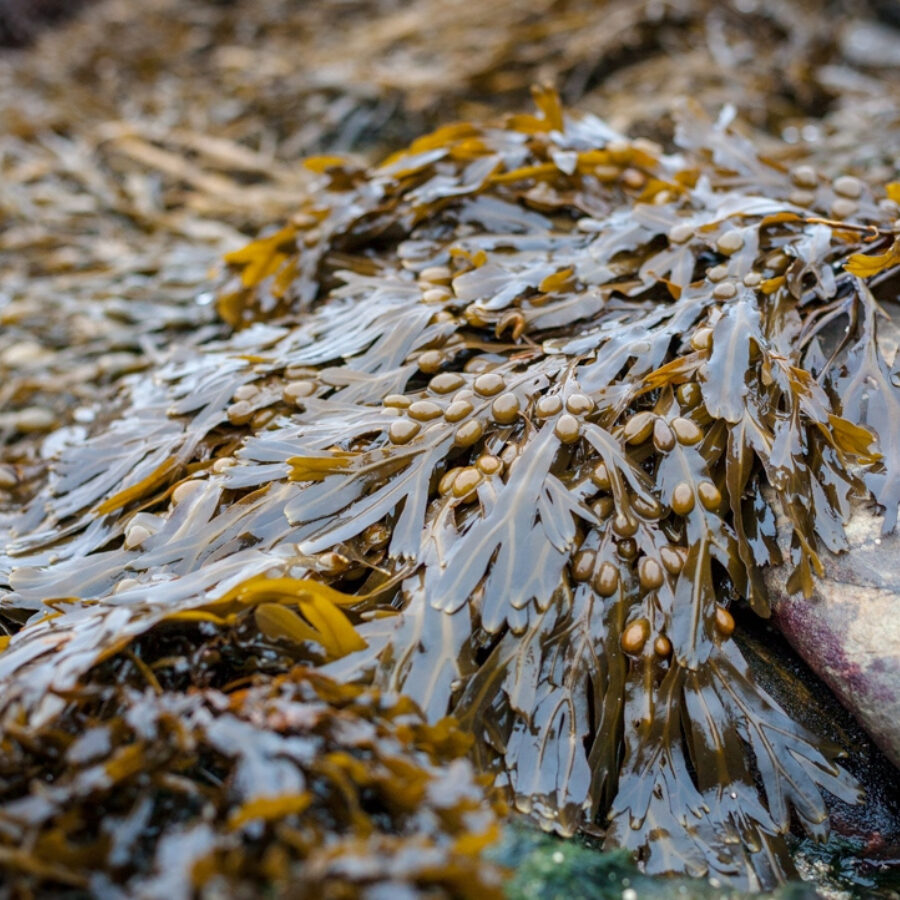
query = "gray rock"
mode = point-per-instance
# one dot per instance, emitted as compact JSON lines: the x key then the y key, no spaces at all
{"x":848,"y":631}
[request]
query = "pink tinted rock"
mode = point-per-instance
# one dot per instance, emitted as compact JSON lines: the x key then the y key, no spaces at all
{"x":848,"y":631}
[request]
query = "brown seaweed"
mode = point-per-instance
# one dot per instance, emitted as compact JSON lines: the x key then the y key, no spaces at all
{"x":505,"y":427}
{"x":299,"y":785}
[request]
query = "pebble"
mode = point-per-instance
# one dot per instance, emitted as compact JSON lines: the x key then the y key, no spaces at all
{"x":639,"y":428}
{"x":624,"y":526}
{"x":24,"y":353}
{"x":682,"y":499}
{"x":445,"y":485}
{"x":802,"y":198}
{"x":650,"y":573}
{"x":689,"y":394}
{"x":567,"y":428}
{"x":663,"y":436}
{"x":223,"y":463}
{"x":686,"y":431}
{"x":469,"y":434}
{"x":672,"y":559}
{"x":600,"y":476}
{"x":606,"y":580}
{"x":466,"y":483}
{"x":709,"y":495}
{"x":635,"y":636}
{"x":681,"y":234}
{"x":488,"y":464}
{"x":701,"y":339}
{"x":583,"y":565}
{"x":126,"y":584}
{"x":724,"y":621}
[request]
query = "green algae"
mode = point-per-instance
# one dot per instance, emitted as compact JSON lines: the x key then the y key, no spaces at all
{"x":548,"y":868}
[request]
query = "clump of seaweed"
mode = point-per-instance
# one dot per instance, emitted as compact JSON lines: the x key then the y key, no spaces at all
{"x":504,"y":426}
{"x":299,"y":785}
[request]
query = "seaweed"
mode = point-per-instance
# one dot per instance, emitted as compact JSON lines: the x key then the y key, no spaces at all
{"x":297,"y":785}
{"x":504,"y":426}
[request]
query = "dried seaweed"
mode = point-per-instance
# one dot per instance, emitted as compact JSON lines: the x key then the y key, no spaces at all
{"x":298,"y":786}
{"x":493,"y":432}
{"x":139,"y":142}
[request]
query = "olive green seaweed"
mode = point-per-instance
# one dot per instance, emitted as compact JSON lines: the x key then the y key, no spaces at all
{"x":504,"y":425}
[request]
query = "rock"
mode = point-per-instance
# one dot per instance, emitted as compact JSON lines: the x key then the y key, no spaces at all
{"x":848,"y":631}
{"x":860,"y":833}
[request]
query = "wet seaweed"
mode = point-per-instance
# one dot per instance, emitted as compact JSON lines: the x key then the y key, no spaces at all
{"x":504,"y":426}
